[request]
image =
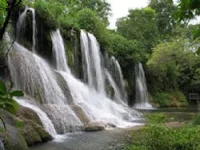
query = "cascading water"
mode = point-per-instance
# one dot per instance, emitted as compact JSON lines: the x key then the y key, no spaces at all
{"x":59,"y":52}
{"x":118,"y":76}
{"x":92,"y":62}
{"x":46,"y":122}
{"x":142,"y":100}
{"x":58,"y":93}
{"x":21,"y":25}
{"x":36,"y":78}
{"x":117,"y":94}
{"x":95,"y":105}
{"x":114,"y":79}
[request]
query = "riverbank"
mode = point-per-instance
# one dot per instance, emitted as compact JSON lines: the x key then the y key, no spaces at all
{"x":114,"y":139}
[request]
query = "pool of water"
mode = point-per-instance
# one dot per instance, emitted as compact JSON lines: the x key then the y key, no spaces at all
{"x":103,"y":140}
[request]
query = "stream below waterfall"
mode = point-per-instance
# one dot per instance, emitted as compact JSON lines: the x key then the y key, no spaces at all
{"x":110,"y":139}
{"x":102,"y":140}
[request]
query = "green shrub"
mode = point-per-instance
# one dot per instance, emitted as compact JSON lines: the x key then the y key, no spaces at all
{"x":170,"y":99}
{"x":48,"y":13}
{"x":156,"y":118}
{"x":6,"y":98}
{"x":88,"y":20}
{"x":162,"y":99}
{"x":196,"y":120}
{"x":160,"y":137}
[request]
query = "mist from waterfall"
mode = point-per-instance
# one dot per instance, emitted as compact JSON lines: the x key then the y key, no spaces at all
{"x":142,"y":98}
{"x":21,"y":23}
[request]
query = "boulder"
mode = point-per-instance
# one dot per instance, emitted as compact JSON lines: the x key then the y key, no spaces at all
{"x":32,"y":127}
{"x":80,"y":113}
{"x":94,"y":126}
{"x":23,"y":129}
{"x":13,"y":139}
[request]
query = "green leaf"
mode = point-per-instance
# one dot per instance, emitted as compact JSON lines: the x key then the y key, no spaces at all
{"x":3,"y":89}
{"x":11,"y":106}
{"x":16,"y":93}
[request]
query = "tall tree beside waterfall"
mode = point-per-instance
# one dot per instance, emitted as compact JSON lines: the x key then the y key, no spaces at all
{"x":164,"y":11}
{"x":140,"y":25}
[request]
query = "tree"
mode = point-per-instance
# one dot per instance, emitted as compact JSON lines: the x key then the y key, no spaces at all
{"x":10,"y":6}
{"x":140,"y":25}
{"x":164,"y":10}
{"x":101,"y":7}
{"x":173,"y":65}
{"x":188,"y":9}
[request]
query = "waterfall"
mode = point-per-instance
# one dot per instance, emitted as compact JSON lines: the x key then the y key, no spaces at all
{"x":92,"y":67}
{"x":59,"y":51}
{"x":95,"y":105}
{"x":46,"y":122}
{"x":36,"y":78}
{"x":59,"y":94}
{"x":21,"y":25}
{"x":142,"y":99}
{"x":118,"y":76}
{"x":117,"y":94}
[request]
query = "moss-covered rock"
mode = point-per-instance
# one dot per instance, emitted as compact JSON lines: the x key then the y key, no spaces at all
{"x":13,"y":139}
{"x":26,"y":113}
{"x":32,"y":127}
{"x":23,"y":129}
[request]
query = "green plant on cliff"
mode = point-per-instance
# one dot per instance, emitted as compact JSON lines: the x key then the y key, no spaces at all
{"x":3,"y":6}
{"x":7,"y":102}
{"x":6,"y":98}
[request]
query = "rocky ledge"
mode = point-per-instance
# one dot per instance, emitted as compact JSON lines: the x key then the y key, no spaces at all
{"x":22,"y":130}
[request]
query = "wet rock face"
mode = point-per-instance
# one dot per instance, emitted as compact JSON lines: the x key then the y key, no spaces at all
{"x":23,"y":129}
{"x":32,"y":127}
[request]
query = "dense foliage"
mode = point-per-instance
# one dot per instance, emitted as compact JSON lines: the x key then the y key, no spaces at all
{"x":140,"y":25}
{"x":162,"y":134}
{"x":3,"y":6}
